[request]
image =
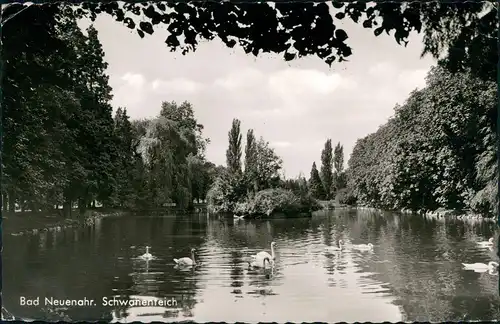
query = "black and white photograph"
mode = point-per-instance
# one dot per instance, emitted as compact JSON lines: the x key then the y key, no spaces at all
{"x":250,"y":161}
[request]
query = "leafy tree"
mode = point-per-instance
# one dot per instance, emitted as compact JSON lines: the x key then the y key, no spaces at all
{"x":431,"y":155}
{"x":338,"y":164}
{"x":250,"y":161}
{"x":56,"y":112}
{"x":126,"y":161}
{"x":268,"y":165}
{"x":174,"y":155}
{"x":315,"y":186}
{"x":465,"y":31}
{"x":327,"y":168}
{"x":233,"y":152}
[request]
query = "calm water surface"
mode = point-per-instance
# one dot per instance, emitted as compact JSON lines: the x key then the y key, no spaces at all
{"x":414,"y":272}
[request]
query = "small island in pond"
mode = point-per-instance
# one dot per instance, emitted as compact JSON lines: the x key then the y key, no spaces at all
{"x":258,"y":189}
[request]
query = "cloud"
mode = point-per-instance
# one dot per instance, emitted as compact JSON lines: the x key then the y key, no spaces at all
{"x":177,"y":85}
{"x":244,"y":78}
{"x":412,"y":79}
{"x":383,"y":70}
{"x":407,"y":80}
{"x":134,"y":79}
{"x":295,"y":81}
{"x":128,"y":90}
{"x":280,"y":144}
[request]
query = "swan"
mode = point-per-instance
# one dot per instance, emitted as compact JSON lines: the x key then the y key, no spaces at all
{"x":486,"y":243}
{"x":364,"y":247}
{"x":186,"y":261}
{"x":147,"y":255}
{"x":256,"y":264}
{"x":340,"y":246}
{"x":264,"y":254}
{"x":481,"y":267}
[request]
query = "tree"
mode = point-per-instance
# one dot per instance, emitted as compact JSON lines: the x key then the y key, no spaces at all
{"x":268,"y":165}
{"x":56,"y":113}
{"x":126,"y":162}
{"x":431,"y":154}
{"x":250,"y":161}
{"x":327,"y":168}
{"x":173,"y":155}
{"x":233,"y":152}
{"x":338,"y":164}
{"x":466,"y":31}
{"x":315,"y":186}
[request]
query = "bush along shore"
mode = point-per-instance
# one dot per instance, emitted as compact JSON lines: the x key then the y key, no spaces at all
{"x":268,"y":203}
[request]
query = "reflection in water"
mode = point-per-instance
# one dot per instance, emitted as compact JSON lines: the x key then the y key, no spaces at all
{"x":413,"y":273}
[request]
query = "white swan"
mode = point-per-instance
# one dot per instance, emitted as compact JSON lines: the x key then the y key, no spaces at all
{"x":147,"y":255}
{"x":186,"y":261}
{"x":264,"y":254}
{"x":481,"y":267}
{"x":363,"y":247}
{"x":256,"y":264}
{"x":486,"y":243}
{"x":340,"y":246}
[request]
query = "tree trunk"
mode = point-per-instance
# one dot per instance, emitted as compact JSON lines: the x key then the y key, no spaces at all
{"x":67,"y":206}
{"x":12,"y":201}
{"x":82,"y":206}
{"x":5,"y":202}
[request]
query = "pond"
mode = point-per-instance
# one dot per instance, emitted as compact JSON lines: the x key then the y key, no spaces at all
{"x":413,"y":273}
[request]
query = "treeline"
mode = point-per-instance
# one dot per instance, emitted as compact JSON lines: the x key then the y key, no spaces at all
{"x":255,"y":187}
{"x":161,"y":160}
{"x":438,"y":151}
{"x":329,"y":183}
{"x":57,"y":124}
{"x":61,"y":144}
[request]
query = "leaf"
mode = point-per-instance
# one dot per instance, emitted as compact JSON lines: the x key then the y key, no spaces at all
{"x":146,"y":27}
{"x":337,"y":4}
{"x":289,"y":56}
{"x":378,"y":31}
{"x":129,"y":22}
{"x":340,"y":35}
{"x":340,"y":15}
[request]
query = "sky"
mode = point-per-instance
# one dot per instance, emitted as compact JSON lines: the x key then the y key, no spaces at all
{"x":296,"y":106}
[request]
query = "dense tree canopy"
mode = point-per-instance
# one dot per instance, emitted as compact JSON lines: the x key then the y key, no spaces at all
{"x":439,"y":150}
{"x":327,"y":168}
{"x":464,"y":31}
{"x":61,"y":144}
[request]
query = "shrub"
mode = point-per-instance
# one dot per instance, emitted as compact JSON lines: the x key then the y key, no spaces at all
{"x":345,"y":197}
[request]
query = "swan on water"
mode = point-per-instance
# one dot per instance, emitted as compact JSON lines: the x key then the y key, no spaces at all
{"x":257,"y":264}
{"x":147,"y":255}
{"x":186,"y":261}
{"x":481,"y":267}
{"x":486,"y":243}
{"x":364,"y":247}
{"x":340,"y":246}
{"x":264,"y":254}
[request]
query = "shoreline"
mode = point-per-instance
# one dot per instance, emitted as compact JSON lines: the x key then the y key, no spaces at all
{"x":28,"y":223}
{"x":438,"y":213}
